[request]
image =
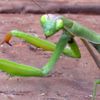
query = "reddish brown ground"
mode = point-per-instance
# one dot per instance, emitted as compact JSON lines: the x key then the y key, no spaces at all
{"x":72,"y":79}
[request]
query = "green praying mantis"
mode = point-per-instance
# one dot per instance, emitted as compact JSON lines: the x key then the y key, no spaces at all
{"x":66,"y":45}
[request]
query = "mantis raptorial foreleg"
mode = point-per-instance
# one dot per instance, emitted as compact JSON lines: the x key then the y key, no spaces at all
{"x":71,"y":49}
{"x":15,"y":69}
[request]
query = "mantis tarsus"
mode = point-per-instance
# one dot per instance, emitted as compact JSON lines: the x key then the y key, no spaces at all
{"x":51,"y":24}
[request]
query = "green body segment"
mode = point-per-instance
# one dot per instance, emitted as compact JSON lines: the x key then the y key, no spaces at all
{"x":46,"y":45}
{"x":70,"y":49}
{"x":81,"y":31}
{"x":56,"y":54}
{"x":16,"y":69}
{"x":97,"y":81}
{"x":95,"y":88}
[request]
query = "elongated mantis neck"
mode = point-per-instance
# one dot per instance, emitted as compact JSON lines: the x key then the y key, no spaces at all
{"x":81,"y":31}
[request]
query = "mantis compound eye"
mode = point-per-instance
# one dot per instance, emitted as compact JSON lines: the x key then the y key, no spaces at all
{"x":59,"y":24}
{"x":43,"y":19}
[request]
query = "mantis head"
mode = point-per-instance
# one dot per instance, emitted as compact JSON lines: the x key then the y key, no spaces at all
{"x":51,"y":24}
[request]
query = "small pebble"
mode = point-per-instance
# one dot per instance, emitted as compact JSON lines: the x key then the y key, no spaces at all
{"x":42,"y":94}
{"x":1,"y":45}
{"x":10,"y":97}
{"x":91,"y":96}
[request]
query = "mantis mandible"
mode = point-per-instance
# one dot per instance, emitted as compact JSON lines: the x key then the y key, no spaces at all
{"x":51,"y":24}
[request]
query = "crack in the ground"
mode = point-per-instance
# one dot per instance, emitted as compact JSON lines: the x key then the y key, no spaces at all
{"x":15,"y":92}
{"x":51,"y":7}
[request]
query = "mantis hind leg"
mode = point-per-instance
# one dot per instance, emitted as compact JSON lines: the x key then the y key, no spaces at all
{"x":95,"y":89}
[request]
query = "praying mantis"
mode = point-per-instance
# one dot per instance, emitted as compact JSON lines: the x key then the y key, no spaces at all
{"x":66,"y":45}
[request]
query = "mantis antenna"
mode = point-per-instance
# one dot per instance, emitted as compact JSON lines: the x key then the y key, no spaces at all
{"x":36,"y":2}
